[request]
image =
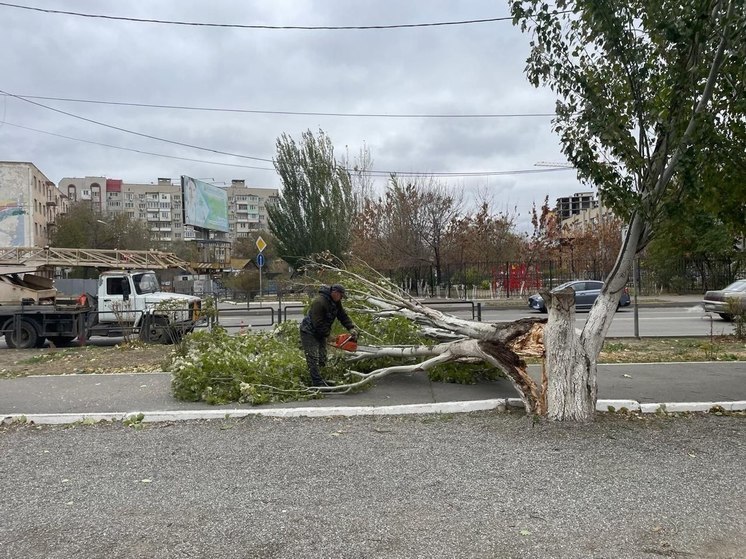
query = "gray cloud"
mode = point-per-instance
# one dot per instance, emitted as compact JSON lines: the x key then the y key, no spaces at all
{"x":455,"y":70}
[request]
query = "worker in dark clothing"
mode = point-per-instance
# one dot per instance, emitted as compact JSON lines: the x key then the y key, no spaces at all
{"x":317,"y":325}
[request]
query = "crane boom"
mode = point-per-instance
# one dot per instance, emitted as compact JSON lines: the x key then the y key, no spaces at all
{"x":95,"y":258}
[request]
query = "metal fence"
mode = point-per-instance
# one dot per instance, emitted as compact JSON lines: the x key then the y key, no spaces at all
{"x":478,"y":280}
{"x":488,"y":279}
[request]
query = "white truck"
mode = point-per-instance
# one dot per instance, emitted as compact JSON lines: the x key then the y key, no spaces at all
{"x":127,"y":302}
{"x":130,"y":301}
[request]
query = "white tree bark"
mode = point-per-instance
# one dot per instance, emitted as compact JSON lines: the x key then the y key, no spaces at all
{"x":572,"y":356}
{"x":504,"y":356}
{"x":571,"y":374}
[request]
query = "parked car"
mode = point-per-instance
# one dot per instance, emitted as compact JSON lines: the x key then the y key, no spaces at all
{"x":719,"y":301}
{"x":586,"y":293}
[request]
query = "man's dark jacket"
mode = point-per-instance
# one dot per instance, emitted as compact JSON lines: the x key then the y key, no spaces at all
{"x":322,"y":313}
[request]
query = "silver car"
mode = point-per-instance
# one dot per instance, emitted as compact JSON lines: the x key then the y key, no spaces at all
{"x":720,"y":301}
{"x":586,"y":293}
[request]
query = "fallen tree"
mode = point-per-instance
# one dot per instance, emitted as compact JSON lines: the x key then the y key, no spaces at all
{"x":501,"y":345}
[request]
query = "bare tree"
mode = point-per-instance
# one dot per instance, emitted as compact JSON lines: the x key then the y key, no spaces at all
{"x":408,"y":225}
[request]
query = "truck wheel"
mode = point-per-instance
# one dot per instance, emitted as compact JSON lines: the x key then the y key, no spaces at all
{"x":60,"y":341}
{"x":155,"y":330}
{"x":26,"y":338}
{"x":726,"y":317}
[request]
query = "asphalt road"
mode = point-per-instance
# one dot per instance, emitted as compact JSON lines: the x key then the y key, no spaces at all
{"x":470,"y":485}
{"x":687,"y":320}
{"x":467,"y":486}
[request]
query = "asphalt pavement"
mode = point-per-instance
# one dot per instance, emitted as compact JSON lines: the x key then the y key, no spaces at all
{"x":150,"y":392}
{"x":464,"y":485}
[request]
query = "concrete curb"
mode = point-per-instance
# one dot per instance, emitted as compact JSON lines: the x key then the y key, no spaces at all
{"x":499,"y":404}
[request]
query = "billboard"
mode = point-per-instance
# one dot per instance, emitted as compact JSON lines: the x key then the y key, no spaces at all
{"x":205,"y":205}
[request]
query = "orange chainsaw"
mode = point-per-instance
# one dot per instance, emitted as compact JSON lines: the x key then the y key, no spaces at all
{"x":345,"y":342}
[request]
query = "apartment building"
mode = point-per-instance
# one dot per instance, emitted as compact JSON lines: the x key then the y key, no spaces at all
{"x":588,"y":219}
{"x":161,"y":205}
{"x":573,"y":205}
{"x":247,"y":208}
{"x":29,"y":205}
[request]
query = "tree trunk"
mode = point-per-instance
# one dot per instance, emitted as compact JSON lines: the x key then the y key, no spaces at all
{"x":571,"y":372}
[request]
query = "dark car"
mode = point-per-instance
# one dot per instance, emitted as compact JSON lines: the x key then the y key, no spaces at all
{"x":586,"y":293}
{"x":720,"y":301}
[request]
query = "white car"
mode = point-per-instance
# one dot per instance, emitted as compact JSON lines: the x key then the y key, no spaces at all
{"x":720,"y":301}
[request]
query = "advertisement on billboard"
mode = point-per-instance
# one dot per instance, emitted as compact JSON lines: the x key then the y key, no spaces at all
{"x":205,"y":205}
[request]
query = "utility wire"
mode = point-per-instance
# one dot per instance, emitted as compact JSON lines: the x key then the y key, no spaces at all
{"x":269,"y":27}
{"x":373,"y":173}
{"x":211,"y":150}
{"x":134,"y":149}
{"x":292,"y":113}
{"x":120,"y":129}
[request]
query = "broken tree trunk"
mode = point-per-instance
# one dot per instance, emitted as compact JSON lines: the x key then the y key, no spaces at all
{"x":502,"y":345}
{"x":571,"y":373}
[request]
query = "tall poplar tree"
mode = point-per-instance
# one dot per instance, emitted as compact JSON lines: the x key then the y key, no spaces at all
{"x":643,"y":87}
{"x":316,"y":205}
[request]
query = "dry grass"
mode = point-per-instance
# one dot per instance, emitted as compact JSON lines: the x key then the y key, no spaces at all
{"x":656,"y":350}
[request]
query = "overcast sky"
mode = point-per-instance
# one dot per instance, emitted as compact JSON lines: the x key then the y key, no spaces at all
{"x":445,"y":70}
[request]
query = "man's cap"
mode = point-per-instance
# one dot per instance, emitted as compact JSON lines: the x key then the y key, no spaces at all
{"x":339,"y":288}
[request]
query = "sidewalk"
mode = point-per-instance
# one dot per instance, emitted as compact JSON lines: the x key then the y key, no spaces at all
{"x":628,"y":385}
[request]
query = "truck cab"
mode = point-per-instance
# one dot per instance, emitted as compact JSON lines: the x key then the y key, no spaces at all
{"x":132,"y":298}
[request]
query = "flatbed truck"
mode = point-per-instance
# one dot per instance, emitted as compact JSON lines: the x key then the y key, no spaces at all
{"x":127,"y":302}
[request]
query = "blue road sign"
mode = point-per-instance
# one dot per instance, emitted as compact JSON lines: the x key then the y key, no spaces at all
{"x":260,"y":260}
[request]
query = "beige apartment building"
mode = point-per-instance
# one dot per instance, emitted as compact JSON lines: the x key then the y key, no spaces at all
{"x":569,"y":206}
{"x":582,"y":212}
{"x":29,"y":205}
{"x":161,"y":205}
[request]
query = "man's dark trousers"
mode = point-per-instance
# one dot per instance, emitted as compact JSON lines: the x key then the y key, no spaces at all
{"x":315,"y":350}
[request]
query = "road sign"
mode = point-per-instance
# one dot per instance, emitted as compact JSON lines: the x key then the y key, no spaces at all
{"x":260,"y":244}
{"x":260,"y":260}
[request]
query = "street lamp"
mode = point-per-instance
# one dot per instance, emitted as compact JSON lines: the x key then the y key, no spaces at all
{"x":108,"y":224}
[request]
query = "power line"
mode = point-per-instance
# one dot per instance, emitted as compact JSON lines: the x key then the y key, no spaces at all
{"x":149,"y":136}
{"x":211,"y":150}
{"x":257,"y":26}
{"x":292,"y":113}
{"x":445,"y":174}
{"x":134,"y":149}
{"x":373,"y":173}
